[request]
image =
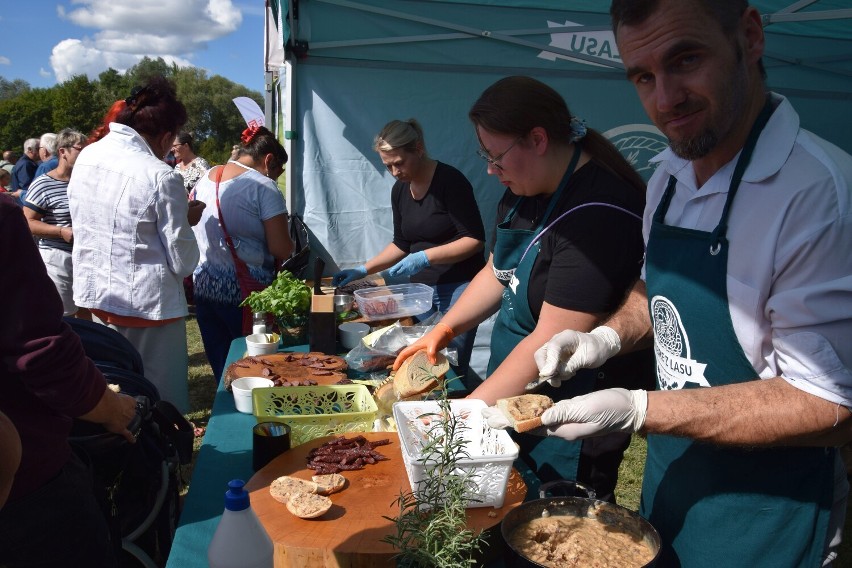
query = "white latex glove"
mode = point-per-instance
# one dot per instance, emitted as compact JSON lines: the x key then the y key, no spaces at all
{"x":596,"y":414}
{"x":495,"y":418}
{"x":569,"y":351}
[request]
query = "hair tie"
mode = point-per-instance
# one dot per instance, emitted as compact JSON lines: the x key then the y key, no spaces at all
{"x":133,"y":100}
{"x":578,"y":129}
{"x":249,"y":135}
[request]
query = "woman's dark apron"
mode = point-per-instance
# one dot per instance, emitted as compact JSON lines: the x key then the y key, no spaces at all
{"x":515,"y":251}
{"x":717,"y":506}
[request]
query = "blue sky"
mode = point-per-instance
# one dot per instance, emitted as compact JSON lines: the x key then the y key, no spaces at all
{"x":48,"y":41}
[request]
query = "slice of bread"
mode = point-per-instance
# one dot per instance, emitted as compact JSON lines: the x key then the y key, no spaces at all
{"x":417,"y":375}
{"x":525,"y":411}
{"x":308,"y":505}
{"x":285,"y":486}
{"x":329,"y":483}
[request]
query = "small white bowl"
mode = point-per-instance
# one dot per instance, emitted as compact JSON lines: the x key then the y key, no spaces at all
{"x":262,"y":343}
{"x":351,"y":333}
{"x":242,"y":391}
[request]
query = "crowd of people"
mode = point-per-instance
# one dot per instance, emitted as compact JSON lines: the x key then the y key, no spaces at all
{"x":101,"y":227}
{"x":708,"y":310}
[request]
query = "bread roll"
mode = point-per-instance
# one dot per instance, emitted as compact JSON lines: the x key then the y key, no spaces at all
{"x":285,"y":486}
{"x":329,"y":483}
{"x":417,"y":375}
{"x":308,"y":505}
{"x":525,"y":411}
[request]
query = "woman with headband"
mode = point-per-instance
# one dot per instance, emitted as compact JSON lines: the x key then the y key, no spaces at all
{"x":247,"y":209}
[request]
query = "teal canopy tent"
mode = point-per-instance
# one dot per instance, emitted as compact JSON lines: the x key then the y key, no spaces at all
{"x":351,"y":66}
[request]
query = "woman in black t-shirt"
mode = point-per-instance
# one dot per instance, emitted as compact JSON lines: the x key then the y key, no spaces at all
{"x":567,"y":248}
{"x":438,"y":235}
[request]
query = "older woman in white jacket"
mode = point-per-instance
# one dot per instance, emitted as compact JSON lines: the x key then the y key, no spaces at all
{"x":133,"y":242}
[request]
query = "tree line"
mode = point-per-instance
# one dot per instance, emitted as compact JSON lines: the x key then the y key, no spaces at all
{"x":80,"y":103}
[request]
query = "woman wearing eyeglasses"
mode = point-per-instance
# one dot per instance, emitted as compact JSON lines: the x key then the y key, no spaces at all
{"x":49,"y":218}
{"x":187,"y":163}
{"x":247,"y":219}
{"x":438,"y":235}
{"x":567,"y":247}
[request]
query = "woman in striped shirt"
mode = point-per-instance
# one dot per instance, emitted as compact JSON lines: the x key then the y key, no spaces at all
{"x":47,"y":212}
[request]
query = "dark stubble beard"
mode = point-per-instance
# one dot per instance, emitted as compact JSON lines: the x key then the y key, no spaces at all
{"x":731,"y":109}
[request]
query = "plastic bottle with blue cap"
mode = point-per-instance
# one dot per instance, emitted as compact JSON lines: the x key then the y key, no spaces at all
{"x":240,"y":541}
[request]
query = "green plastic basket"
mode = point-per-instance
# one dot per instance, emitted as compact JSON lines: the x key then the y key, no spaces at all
{"x":316,"y":411}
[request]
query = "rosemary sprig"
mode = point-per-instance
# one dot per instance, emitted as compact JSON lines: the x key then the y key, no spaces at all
{"x":431,"y":528}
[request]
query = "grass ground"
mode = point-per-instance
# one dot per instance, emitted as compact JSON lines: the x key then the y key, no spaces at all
{"x":629,"y":485}
{"x":202,"y":390}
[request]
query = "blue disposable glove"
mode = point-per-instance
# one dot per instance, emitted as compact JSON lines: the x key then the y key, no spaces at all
{"x":411,"y":264}
{"x":344,"y":277}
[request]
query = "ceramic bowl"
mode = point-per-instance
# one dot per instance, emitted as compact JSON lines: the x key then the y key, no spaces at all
{"x":262,"y":343}
{"x":242,"y":391}
{"x":351,"y":333}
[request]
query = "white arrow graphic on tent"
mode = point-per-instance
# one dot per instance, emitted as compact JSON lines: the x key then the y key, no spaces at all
{"x":250,"y":110}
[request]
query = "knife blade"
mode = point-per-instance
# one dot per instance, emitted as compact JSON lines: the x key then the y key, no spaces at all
{"x":319,"y":266}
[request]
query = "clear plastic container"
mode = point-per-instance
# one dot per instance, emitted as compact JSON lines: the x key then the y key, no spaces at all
{"x":394,"y":302}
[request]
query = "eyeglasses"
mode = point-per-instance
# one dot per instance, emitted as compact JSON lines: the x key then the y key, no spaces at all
{"x":275,"y":171}
{"x":178,"y":145}
{"x":78,"y":148}
{"x":495,"y":161}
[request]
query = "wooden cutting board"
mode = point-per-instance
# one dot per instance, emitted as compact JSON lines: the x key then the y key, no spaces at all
{"x":286,"y":366}
{"x":350,"y":534}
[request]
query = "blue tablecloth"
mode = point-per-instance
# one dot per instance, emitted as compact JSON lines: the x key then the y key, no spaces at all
{"x":224,"y":455}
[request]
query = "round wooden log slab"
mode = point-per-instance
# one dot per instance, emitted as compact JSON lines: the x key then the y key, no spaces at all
{"x":349,"y":534}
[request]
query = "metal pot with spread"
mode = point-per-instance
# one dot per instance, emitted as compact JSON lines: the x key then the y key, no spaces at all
{"x":578,"y":531}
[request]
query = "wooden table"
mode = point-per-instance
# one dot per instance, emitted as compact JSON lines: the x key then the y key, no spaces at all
{"x":350,"y":534}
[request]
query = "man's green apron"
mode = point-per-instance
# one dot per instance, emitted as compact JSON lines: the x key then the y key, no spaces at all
{"x":515,"y":251}
{"x":714,"y":506}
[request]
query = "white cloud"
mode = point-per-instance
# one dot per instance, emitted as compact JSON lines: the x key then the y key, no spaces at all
{"x":81,"y":57}
{"x":128,"y":31}
{"x":5,"y":60}
{"x":44,"y":72}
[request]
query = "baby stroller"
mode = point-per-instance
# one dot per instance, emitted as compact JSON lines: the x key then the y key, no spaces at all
{"x":136,"y":484}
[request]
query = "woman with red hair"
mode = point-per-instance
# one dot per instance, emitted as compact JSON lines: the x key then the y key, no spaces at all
{"x":245,"y":225}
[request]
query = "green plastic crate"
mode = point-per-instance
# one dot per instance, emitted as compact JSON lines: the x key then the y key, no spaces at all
{"x":316,"y":411}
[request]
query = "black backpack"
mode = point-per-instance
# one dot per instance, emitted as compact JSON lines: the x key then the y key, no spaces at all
{"x":107,"y":347}
{"x":298,"y":261}
{"x":137,"y":484}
